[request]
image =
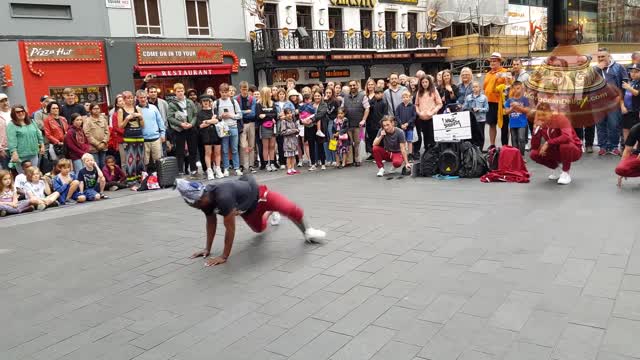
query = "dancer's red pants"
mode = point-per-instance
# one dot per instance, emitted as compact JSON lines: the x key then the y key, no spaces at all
{"x":563,"y":154}
{"x":268,"y":202}
{"x":380,"y":154}
{"x":629,"y":167}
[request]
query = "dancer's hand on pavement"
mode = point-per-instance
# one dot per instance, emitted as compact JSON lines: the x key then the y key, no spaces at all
{"x":201,"y":253}
{"x":215,"y":261}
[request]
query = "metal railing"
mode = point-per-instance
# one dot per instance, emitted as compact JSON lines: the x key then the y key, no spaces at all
{"x":268,"y":41}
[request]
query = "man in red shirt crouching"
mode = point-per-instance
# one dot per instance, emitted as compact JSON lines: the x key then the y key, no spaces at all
{"x":562,"y":145}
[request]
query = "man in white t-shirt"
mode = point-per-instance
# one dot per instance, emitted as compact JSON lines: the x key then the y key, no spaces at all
{"x":5,"y":108}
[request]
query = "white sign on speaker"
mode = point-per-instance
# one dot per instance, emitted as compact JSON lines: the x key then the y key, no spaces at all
{"x":452,"y":126}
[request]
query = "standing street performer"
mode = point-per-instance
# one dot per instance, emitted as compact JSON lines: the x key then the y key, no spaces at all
{"x":562,"y":146}
{"x":240,"y":197}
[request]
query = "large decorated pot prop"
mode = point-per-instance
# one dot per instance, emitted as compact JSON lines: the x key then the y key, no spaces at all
{"x":572,"y":87}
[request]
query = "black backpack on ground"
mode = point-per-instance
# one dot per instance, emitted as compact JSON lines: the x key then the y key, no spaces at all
{"x":429,"y":161}
{"x":493,"y":157}
{"x":449,"y":161}
{"x":167,"y":169}
{"x":473,"y":164}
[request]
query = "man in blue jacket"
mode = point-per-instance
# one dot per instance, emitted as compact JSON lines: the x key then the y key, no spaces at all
{"x":248,"y":135}
{"x":153,"y":130}
{"x":609,"y":129}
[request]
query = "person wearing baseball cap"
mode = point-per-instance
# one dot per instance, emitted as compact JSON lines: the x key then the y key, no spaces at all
{"x":240,"y":197}
{"x":494,"y":84}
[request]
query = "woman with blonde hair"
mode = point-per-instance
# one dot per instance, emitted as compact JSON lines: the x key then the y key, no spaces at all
{"x":266,"y":120}
{"x":370,"y":88}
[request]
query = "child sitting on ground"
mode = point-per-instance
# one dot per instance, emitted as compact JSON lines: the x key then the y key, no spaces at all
{"x":66,"y":184}
{"x":21,"y":180}
{"x":38,"y":191}
{"x":92,"y":181}
{"x":116,"y":178}
{"x":9,"y":203}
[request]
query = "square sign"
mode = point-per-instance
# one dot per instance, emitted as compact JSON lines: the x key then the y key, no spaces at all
{"x":119,"y":4}
{"x":452,"y":126}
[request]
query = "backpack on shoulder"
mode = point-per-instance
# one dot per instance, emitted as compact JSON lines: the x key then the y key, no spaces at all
{"x":473,"y":164}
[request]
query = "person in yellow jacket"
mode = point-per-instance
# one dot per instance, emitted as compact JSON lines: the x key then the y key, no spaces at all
{"x":494,"y":85}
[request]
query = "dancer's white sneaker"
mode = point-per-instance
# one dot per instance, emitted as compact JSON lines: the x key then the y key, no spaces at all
{"x":275,"y":218}
{"x":380,"y":172}
{"x":565,"y":178}
{"x":311,"y":235}
{"x":554,"y":175}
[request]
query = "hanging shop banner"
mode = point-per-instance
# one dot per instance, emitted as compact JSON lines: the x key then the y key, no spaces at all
{"x":179,"y":53}
{"x":119,"y":4}
{"x":339,"y":73}
{"x":354,"y":3}
{"x":404,"y":2}
{"x":284,"y":74}
{"x":57,"y":51}
{"x":452,"y":126}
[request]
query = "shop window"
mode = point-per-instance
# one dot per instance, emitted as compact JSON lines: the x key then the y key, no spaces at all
{"x":197,"y":17}
{"x":147,"y":17}
{"x":41,"y":11}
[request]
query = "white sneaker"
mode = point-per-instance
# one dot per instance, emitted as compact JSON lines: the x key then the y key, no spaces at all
{"x":225,"y":173}
{"x":312,"y":168}
{"x":275,"y":218}
{"x":238,"y":172}
{"x":311,"y":235}
{"x":282,"y":167}
{"x":299,"y":163}
{"x":565,"y":178}
{"x":380,"y":172}
{"x":320,"y":133}
{"x":334,"y":164}
{"x":393,"y":170}
{"x":554,"y":175}
{"x":210,"y":175}
{"x":323,"y":167}
{"x":219,"y":173}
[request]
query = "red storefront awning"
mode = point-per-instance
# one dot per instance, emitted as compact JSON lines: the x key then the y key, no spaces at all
{"x":184,"y":70}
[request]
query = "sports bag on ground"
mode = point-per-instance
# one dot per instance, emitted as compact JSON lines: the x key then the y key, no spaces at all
{"x":429,"y":161}
{"x":493,"y":157}
{"x":472,"y":161}
{"x":167,"y":170}
{"x":449,"y":161}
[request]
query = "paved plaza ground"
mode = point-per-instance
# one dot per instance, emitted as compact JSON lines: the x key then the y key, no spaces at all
{"x":411,"y":269}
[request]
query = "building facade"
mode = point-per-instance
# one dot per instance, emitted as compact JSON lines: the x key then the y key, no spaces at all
{"x":339,"y":40}
{"x":102,"y":47}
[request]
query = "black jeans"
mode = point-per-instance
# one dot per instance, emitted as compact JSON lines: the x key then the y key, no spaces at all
{"x":189,"y":137}
{"x":504,"y":131}
{"x":315,"y":154}
{"x":587,"y":134}
{"x":418,"y":144}
{"x":280,"y":142}
{"x":201,"y":153}
{"x":426,"y":127}
{"x":371,"y":134}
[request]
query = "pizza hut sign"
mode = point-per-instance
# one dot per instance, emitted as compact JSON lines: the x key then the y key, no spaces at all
{"x":57,"y":51}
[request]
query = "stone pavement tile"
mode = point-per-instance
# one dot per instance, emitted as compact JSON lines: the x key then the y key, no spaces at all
{"x":487,"y":299}
{"x":298,"y":336}
{"x":291,"y":280}
{"x":618,"y":245}
{"x":485,"y":266}
{"x":344,"y":266}
{"x":304,"y":309}
{"x":543,"y":328}
{"x":398,"y":289}
{"x":575,"y":272}
{"x":396,"y":351}
{"x":453,"y":246}
{"x":554,"y":254}
{"x":423,"y":295}
{"x":427,"y":268}
{"x":432,"y":242}
{"x":346,"y":303}
{"x":476,"y":355}
{"x":312,"y":285}
{"x":165,"y":269}
{"x":365,"y":345}
{"x":627,"y":305}
{"x":147,"y":318}
{"x":604,"y":282}
{"x":443,"y":308}
{"x":414,"y":256}
{"x":347,"y":282}
{"x":298,"y":262}
{"x":107,"y":344}
{"x":330,"y":260}
{"x":494,"y":341}
{"x":559,"y":299}
{"x":631,"y":283}
{"x":75,"y":342}
{"x":589,"y":250}
{"x":468,"y":256}
{"x":622,"y":337}
{"x":611,"y":356}
{"x":358,"y":319}
{"x":377,"y":263}
{"x":633,"y":266}
{"x":454,"y":338}
{"x":514,"y":313}
{"x":591,"y":311}
{"x":527,"y":351}
{"x":279,"y":305}
{"x":397,"y":318}
{"x":245,"y":348}
{"x":537,"y":277}
{"x":417,"y":332}
{"x":613,"y":260}
{"x":385,"y":276}
{"x":578,"y":342}
{"x":59,"y":331}
{"x":322,"y":347}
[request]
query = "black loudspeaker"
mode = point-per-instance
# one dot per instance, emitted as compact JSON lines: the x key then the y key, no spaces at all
{"x":302,"y":33}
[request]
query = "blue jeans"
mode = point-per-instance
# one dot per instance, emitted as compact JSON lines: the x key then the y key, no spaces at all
{"x":99,"y":158}
{"x":77,"y":165}
{"x":609,"y":131}
{"x":330,"y":155}
{"x":231,"y":140}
